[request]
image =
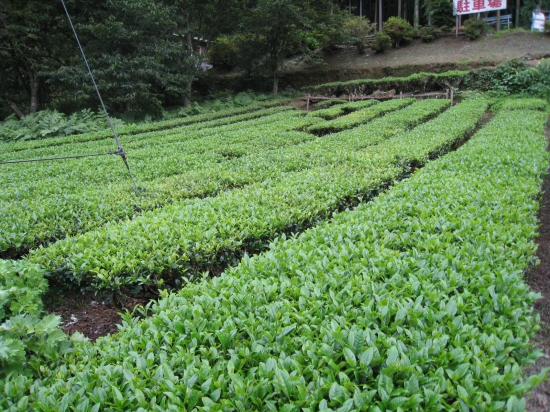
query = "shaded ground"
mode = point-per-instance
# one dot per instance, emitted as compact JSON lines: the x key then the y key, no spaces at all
{"x":539,"y":280}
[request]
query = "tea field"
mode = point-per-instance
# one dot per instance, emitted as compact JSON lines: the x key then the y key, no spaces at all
{"x":372,"y":254}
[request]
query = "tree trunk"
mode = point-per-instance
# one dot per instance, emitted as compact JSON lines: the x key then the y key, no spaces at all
{"x":275,"y":82}
{"x":380,"y":15}
{"x":188,"y":86}
{"x":34,"y":83}
{"x":498,"y":20}
{"x":399,"y":8}
{"x":360,"y":8}
{"x":187,"y":97}
{"x":517,"y":14}
{"x":376,"y":13}
{"x":14,"y":107}
{"x":416,"y":13}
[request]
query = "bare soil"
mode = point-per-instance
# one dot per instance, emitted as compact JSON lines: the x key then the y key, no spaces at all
{"x":539,"y":280}
{"x":90,"y":314}
{"x":448,"y":50}
{"x":443,"y":54}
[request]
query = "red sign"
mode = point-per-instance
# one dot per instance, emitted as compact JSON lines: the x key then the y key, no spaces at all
{"x":478,"y":6}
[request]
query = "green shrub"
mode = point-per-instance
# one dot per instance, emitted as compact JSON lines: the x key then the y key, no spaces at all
{"x":516,"y":78}
{"x":474,"y":28}
{"x":414,"y":301}
{"x":359,"y":28}
{"x":399,"y":30}
{"x":429,"y":33}
{"x":47,"y":123}
{"x":31,"y":346}
{"x":21,"y":286}
{"x":381,"y":42}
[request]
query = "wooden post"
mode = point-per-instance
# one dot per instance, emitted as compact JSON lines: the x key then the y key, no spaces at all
{"x":498,"y":20}
{"x":307,"y":107}
{"x":452,"y":96}
{"x":447,"y":94}
{"x":456,"y":24}
{"x":401,"y":94}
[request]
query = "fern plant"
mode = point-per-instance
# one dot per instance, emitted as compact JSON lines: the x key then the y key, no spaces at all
{"x":48,"y":123}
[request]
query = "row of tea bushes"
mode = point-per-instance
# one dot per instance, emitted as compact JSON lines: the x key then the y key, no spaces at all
{"x":341,"y":109}
{"x":226,"y":115}
{"x":414,"y":301}
{"x":200,"y":234}
{"x":358,"y":117}
{"x":183,"y":133}
{"x":51,"y":215}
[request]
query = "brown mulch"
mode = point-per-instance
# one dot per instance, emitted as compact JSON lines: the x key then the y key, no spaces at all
{"x":538,"y":278}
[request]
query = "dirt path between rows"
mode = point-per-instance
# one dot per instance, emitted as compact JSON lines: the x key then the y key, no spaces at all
{"x":539,"y":280}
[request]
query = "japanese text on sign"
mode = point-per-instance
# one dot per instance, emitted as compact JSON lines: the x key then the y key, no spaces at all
{"x":477,"y":6}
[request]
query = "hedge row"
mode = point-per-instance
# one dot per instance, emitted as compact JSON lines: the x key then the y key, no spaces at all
{"x":358,"y":117}
{"x":48,"y":217}
{"x":414,"y":301}
{"x":418,"y":82}
{"x":200,"y":234}
{"x":341,"y":109}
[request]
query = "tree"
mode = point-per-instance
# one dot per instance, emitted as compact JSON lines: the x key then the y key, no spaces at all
{"x":33,"y":41}
{"x":205,"y":19}
{"x":132,"y":48}
{"x":289,"y":27}
{"x":439,"y":12}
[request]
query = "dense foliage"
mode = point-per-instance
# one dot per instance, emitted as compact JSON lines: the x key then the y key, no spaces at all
{"x":238,"y":220}
{"x":381,"y":42}
{"x":474,"y":28}
{"x":429,"y":33}
{"x":412,"y":301}
{"x":399,"y":30}
{"x":47,"y":124}
{"x":21,"y":287}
